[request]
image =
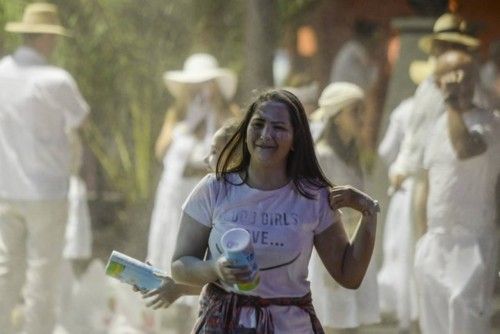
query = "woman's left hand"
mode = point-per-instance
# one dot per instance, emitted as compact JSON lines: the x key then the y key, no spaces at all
{"x":164,"y":296}
{"x":350,"y":197}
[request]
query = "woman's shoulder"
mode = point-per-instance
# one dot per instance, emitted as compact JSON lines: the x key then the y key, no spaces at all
{"x":317,"y":188}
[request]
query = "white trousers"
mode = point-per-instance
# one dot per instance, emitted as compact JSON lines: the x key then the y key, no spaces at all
{"x":455,"y":275}
{"x":31,"y":243}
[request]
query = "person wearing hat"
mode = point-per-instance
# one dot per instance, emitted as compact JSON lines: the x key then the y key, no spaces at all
{"x":450,"y":32}
{"x":337,"y":123}
{"x":455,"y":259}
{"x":40,"y":105}
{"x":395,"y":278}
{"x":203,"y":92}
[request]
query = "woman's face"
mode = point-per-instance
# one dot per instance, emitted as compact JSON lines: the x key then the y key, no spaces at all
{"x":204,"y":91}
{"x":270,"y":135}
{"x":350,"y":119}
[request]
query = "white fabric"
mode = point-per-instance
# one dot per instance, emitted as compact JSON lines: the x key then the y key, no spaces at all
{"x":458,"y":184}
{"x":31,"y":249}
{"x":353,"y":64}
{"x":398,"y":123}
{"x":39,"y":104}
{"x":397,"y":291}
{"x":78,"y":230}
{"x":455,"y":259}
{"x":428,"y":106}
{"x":282,"y":224}
{"x":338,"y":307}
{"x":172,"y":190}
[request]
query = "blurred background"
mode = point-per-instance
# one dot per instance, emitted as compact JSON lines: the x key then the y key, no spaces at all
{"x":121,"y":48}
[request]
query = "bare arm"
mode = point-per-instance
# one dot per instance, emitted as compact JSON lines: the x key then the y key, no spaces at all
{"x":465,"y":143}
{"x":421,"y":194}
{"x":347,"y":261}
{"x":188,"y":264}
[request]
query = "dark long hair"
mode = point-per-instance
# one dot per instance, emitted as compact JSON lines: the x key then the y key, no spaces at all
{"x":302,"y":165}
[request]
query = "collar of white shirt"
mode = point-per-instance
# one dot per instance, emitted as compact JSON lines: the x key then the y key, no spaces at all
{"x":28,"y":56}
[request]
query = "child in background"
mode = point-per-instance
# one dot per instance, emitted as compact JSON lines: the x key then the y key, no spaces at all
{"x":219,"y":140}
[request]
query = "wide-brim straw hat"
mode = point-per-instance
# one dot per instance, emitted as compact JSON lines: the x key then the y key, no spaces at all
{"x":199,"y":68}
{"x":419,"y":70}
{"x":335,"y":97}
{"x":449,"y":28}
{"x":38,"y":18}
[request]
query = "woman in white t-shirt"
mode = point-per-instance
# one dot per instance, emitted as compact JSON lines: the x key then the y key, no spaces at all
{"x":268,"y":182}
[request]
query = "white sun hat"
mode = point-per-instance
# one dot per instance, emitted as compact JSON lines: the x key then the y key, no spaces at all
{"x":199,"y":68}
{"x":335,"y":97}
{"x":38,"y":18}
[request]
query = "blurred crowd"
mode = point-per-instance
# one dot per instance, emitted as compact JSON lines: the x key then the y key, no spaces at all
{"x":440,"y":148}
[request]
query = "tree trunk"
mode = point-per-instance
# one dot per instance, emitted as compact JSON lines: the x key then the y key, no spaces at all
{"x":260,"y":44}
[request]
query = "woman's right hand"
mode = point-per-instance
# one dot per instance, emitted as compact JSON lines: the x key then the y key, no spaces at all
{"x":231,"y":274}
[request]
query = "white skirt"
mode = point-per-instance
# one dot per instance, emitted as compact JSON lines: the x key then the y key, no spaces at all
{"x":397,"y":291}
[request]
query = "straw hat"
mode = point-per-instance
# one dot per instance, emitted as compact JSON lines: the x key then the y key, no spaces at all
{"x":419,"y":70}
{"x":199,"y":68}
{"x":38,"y":18}
{"x":335,"y":97}
{"x":449,"y":28}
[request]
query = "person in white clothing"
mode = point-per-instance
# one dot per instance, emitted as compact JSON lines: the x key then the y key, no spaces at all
{"x":203,"y":93}
{"x":40,"y":105}
{"x":455,"y":258}
{"x":337,"y":147}
{"x":397,"y":292}
{"x":450,"y":32}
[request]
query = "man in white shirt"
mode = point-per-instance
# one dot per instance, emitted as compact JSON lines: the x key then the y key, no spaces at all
{"x":40,"y":105}
{"x":455,"y":258}
{"x":449,"y":33}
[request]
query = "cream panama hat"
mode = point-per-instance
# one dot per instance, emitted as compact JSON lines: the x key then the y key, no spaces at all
{"x":449,"y":28}
{"x":335,"y":97}
{"x":38,"y":18}
{"x":199,"y":68}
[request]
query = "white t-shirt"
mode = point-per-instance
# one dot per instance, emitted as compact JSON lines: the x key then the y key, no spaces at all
{"x":462,"y":192}
{"x":282,"y":224}
{"x":39,"y":105}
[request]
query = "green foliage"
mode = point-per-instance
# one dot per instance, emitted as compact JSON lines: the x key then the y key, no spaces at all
{"x":118,"y":53}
